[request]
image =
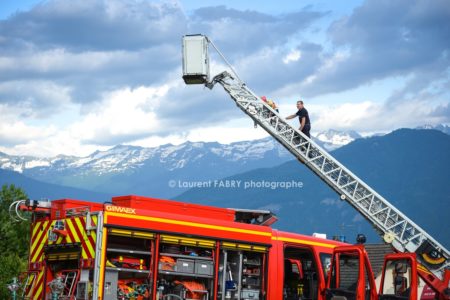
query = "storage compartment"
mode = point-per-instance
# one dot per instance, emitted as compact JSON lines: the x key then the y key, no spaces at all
{"x":242,"y":272}
{"x":110,"y":288}
{"x":128,"y":263}
{"x":185,"y":265}
{"x":185,"y":268}
{"x":204,"y":267}
{"x":249,"y":294}
{"x":250,"y":281}
{"x":167,"y":263}
{"x":82,"y":290}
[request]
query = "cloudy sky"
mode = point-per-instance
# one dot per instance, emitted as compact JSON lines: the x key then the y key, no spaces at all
{"x":77,"y":76}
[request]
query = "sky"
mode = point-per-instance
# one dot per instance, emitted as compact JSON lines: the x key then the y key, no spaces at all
{"x":83,"y":75}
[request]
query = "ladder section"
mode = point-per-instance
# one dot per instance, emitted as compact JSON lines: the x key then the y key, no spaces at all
{"x":395,"y":227}
{"x":28,"y":285}
{"x":70,"y":281}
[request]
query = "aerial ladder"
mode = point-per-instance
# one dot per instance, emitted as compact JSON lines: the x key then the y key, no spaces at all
{"x":393,"y":226}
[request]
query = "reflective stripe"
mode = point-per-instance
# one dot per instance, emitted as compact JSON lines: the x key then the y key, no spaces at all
{"x":38,"y":288}
{"x":298,"y":241}
{"x":131,"y":233}
{"x":187,"y":241}
{"x":186,"y":223}
{"x":248,"y":247}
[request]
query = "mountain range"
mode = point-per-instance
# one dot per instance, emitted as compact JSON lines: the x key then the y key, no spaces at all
{"x":410,"y":168}
{"x":126,"y":169}
{"x":396,"y":165}
{"x":147,"y":171}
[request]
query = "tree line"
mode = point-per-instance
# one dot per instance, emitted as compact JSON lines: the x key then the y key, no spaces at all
{"x":14,"y":240}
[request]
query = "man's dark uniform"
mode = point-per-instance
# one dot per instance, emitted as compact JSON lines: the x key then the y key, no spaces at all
{"x":304,"y":113}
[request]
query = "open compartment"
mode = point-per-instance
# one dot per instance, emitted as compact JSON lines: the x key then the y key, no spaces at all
{"x":128,"y":264}
{"x":185,"y":268}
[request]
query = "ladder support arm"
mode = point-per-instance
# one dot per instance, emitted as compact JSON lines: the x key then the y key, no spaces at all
{"x":386,"y":219}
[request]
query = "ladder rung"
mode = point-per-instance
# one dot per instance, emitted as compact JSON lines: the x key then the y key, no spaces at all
{"x":347,"y":184}
{"x":332,"y":171}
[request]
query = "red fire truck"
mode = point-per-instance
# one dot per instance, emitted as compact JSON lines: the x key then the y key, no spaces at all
{"x":145,"y":248}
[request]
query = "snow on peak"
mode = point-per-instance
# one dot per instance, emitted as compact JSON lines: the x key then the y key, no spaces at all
{"x":126,"y":158}
{"x":441,"y":127}
{"x":333,"y":139}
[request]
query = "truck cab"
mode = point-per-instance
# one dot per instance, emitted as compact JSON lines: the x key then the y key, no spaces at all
{"x":351,"y":276}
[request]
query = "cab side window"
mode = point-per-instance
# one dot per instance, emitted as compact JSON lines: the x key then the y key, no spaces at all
{"x":325,"y":259}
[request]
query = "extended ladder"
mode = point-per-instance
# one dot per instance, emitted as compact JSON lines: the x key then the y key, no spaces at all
{"x":394,"y":226}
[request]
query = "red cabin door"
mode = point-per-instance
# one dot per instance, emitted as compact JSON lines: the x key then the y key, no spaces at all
{"x":351,"y":276}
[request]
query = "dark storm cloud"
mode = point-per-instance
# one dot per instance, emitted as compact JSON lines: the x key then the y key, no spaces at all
{"x":92,"y":47}
{"x":387,"y":38}
{"x":269,"y":72}
{"x":88,"y":48}
{"x":95,"y":25}
{"x":240,"y":33}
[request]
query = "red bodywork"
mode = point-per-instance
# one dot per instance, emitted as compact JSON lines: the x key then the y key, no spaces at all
{"x":165,"y":217}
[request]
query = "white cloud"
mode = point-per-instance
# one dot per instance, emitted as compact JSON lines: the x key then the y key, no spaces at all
{"x":122,"y":113}
{"x":125,"y":112}
{"x":343,"y":116}
{"x":229,"y":132}
{"x":226,"y":134}
{"x":35,"y":98}
{"x":17,"y":132}
{"x":294,"y":55}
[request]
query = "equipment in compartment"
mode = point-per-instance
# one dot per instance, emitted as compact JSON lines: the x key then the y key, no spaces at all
{"x":185,"y":272}
{"x":249,"y":294}
{"x":193,"y":290}
{"x":185,"y":265}
{"x":204,"y":267}
{"x":251,"y":275}
{"x":133,"y":289}
{"x":129,"y":262}
{"x":241,"y":276}
{"x":167,"y":263}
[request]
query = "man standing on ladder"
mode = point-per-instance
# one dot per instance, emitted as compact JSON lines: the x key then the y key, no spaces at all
{"x":303,"y":117}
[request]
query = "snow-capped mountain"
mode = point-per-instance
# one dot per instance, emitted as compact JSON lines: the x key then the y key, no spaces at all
{"x":441,"y":127}
{"x":123,"y":158}
{"x":134,"y":169}
{"x":333,"y":139}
